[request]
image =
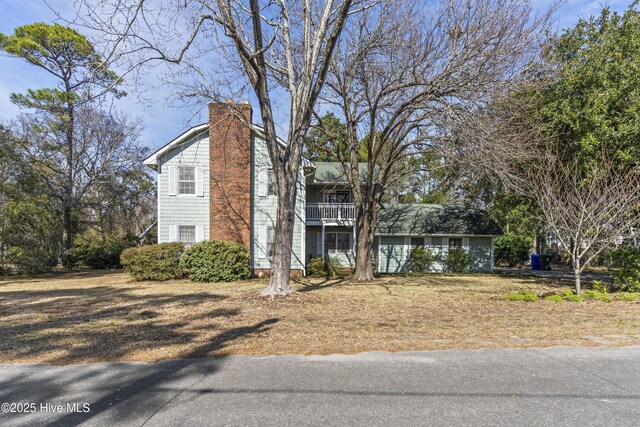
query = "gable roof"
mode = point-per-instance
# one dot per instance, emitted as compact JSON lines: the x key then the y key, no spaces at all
{"x":152,"y":160}
{"x":422,"y":219}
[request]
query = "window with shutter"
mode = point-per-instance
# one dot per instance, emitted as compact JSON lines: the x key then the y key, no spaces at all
{"x":186,"y":180}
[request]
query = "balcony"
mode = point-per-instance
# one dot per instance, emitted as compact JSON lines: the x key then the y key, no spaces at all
{"x":331,"y":213}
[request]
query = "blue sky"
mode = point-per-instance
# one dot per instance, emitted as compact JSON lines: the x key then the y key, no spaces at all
{"x":162,"y":121}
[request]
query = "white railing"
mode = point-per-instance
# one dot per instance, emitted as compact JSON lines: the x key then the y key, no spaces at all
{"x":330,"y":211}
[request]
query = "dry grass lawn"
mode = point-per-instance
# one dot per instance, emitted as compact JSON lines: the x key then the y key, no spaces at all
{"x":86,"y":317}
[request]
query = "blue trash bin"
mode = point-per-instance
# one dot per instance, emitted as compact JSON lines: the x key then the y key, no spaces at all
{"x":535,"y":262}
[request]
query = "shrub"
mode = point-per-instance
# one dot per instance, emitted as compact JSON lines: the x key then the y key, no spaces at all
{"x":554,"y":298}
{"x":23,"y":260}
{"x":153,"y":262}
{"x":216,"y":261}
{"x":600,"y":286}
{"x":90,"y":252}
{"x":525,"y":295}
{"x":596,"y":296}
{"x":628,"y":296}
{"x":626,"y":261}
{"x":512,"y":249}
{"x":315,"y":267}
{"x":421,"y":260}
{"x":458,"y":261}
{"x":322,"y":267}
{"x":571,"y":296}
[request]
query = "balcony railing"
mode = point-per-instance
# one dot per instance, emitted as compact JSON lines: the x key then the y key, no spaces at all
{"x":331,"y":212}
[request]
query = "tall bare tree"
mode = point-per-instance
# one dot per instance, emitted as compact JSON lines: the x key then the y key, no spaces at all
{"x":588,"y":211}
{"x":278,"y":45}
{"x":394,"y":81}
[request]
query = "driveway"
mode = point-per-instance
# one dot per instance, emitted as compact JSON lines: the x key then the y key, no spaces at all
{"x":554,"y":386}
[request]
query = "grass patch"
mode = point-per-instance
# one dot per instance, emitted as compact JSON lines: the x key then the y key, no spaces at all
{"x":524,"y":295}
{"x":597,"y":296}
{"x":98,"y":316}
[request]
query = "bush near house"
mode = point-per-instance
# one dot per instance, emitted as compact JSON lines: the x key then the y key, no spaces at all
{"x":512,"y":249}
{"x":153,"y":262}
{"x":458,"y":261}
{"x":626,"y":278}
{"x":422,"y":260}
{"x":216,"y":261}
{"x":321,"y":267}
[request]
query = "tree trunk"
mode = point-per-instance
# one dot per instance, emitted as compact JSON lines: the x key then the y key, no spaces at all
{"x":67,"y":199}
{"x":576,"y":274}
{"x":281,"y":261}
{"x":366,"y":222}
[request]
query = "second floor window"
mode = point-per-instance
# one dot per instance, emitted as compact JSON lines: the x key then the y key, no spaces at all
{"x":186,"y":180}
{"x":272,"y":188}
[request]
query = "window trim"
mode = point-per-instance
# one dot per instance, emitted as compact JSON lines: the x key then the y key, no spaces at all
{"x":195,"y":234}
{"x":273,"y":243}
{"x":270,"y":174}
{"x":456,"y":239}
{"x":195,"y":182}
{"x":335,"y":248}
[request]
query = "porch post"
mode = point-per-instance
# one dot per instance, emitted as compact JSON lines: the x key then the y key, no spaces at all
{"x":322,"y":240}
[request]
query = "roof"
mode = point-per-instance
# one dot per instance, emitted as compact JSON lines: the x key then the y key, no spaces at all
{"x":152,"y":160}
{"x":419,"y":219}
{"x":333,"y":172}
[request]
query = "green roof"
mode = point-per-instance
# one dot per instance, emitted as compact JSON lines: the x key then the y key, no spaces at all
{"x":333,"y":172}
{"x":417,"y":219}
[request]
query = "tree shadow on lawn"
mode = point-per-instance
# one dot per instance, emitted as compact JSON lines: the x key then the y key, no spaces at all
{"x":135,"y":394}
{"x":309,"y":286}
{"x":106,"y":323}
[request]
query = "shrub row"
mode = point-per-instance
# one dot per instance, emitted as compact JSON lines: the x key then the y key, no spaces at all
{"x":207,"y":261}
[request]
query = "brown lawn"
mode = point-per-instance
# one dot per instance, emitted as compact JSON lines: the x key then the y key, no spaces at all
{"x":85,"y":317}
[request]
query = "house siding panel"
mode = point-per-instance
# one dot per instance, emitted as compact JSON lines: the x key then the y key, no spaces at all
{"x":394,"y":254}
{"x":264,"y":210}
{"x":183,"y":209}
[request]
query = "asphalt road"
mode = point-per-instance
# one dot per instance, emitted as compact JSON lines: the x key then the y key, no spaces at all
{"x":555,"y":386}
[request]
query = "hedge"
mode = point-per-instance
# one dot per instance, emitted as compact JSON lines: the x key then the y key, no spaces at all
{"x":216,"y":261}
{"x":153,"y":262}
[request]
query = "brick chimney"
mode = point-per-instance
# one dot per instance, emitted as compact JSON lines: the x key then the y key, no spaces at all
{"x":230,"y":166}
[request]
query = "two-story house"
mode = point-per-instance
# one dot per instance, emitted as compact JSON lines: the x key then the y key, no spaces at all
{"x":215,"y":182}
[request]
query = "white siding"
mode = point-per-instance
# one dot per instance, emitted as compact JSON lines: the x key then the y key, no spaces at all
{"x":184,"y":209}
{"x":265,"y":209}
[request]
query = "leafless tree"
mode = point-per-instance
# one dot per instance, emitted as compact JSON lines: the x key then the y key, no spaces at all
{"x":278,"y":45}
{"x":589,"y":206}
{"x":394,"y":81}
{"x":587,"y":210}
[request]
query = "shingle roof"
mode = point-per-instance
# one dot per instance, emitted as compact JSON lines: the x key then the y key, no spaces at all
{"x":417,"y":219}
{"x":333,"y":172}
